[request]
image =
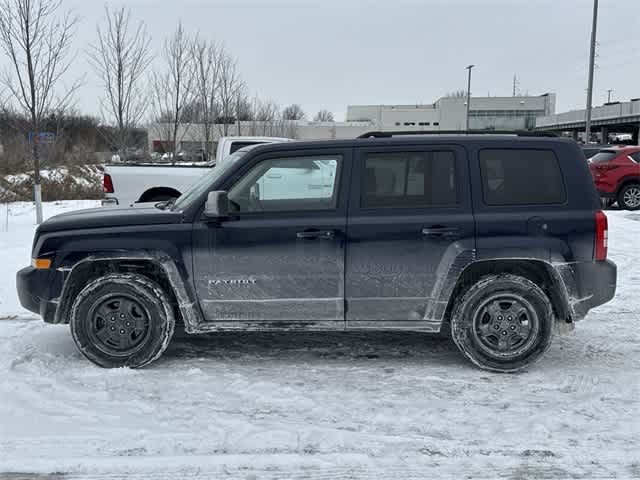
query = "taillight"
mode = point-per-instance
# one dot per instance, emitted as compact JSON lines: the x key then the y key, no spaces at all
{"x":607,"y":166}
{"x":107,"y":183}
{"x":602,"y":234}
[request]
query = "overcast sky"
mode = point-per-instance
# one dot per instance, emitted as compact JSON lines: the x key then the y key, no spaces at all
{"x":331,"y":53}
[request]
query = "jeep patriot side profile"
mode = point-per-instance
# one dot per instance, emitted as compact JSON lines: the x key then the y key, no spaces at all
{"x":498,"y":239}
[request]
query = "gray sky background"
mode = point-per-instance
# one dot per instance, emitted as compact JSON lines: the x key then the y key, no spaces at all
{"x":331,"y":53}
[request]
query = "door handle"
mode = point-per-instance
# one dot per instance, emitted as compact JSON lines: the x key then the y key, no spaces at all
{"x":314,"y":234}
{"x":438,"y":231}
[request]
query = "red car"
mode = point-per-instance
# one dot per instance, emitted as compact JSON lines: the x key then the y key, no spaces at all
{"x":616,"y":172}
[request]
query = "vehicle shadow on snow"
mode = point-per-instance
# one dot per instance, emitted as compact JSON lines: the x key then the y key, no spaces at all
{"x":311,"y":346}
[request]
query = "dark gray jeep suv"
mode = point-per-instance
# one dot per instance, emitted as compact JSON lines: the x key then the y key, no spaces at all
{"x":498,"y":240}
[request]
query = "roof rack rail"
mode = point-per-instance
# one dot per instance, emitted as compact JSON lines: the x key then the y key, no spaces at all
{"x":519,"y":133}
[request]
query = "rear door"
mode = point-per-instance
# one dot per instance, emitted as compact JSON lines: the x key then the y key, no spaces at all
{"x":408,"y":208}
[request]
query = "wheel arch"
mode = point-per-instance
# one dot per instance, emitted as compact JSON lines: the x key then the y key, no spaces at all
{"x":627,"y":181}
{"x":540,"y":272}
{"x":153,"y":192}
{"x":156,"y":267}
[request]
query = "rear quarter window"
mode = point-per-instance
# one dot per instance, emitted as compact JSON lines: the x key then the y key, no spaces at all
{"x":521,"y":177}
{"x":603,"y":156}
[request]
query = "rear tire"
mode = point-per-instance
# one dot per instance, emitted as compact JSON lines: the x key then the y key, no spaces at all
{"x":122,"y":320}
{"x":629,"y":197}
{"x":503,"y":323}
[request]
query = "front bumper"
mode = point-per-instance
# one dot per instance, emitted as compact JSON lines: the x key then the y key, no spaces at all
{"x":39,"y":290}
{"x":596,"y":282}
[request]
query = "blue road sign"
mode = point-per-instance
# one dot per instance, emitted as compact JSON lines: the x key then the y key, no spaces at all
{"x":42,"y":137}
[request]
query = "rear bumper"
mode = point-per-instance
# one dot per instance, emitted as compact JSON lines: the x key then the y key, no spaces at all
{"x":109,"y":202}
{"x":38,"y":291}
{"x":596,"y":282}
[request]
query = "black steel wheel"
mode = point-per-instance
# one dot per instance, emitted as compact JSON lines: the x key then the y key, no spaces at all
{"x":122,"y":320}
{"x":119,"y":324}
{"x":503,"y":323}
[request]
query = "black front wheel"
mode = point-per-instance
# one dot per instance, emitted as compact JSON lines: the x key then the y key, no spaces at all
{"x":121,"y":320}
{"x":503,"y":323}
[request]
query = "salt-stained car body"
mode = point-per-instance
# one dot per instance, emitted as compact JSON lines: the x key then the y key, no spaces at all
{"x":498,"y":240}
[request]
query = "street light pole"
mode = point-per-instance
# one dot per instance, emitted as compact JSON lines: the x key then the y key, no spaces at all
{"x":468,"y":94}
{"x":592,"y":55}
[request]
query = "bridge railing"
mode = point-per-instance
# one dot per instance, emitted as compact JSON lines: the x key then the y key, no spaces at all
{"x":623,"y":109}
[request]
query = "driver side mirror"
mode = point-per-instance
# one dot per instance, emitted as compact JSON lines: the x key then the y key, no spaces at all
{"x":217,"y":205}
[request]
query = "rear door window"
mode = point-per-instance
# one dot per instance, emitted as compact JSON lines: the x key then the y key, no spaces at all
{"x":603,"y":156}
{"x":635,"y":156}
{"x":408,"y":179}
{"x":521,"y":177}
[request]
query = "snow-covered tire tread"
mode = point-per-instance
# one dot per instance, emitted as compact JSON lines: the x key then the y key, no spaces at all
{"x":148,"y":291}
{"x":462,"y":321}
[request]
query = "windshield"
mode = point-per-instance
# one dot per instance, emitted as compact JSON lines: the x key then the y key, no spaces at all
{"x":202,"y":185}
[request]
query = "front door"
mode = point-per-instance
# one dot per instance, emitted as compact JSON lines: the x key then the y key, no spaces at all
{"x":409,"y":215}
{"x":278,"y":261}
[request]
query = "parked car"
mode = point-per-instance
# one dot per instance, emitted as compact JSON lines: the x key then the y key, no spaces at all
{"x":498,"y":240}
{"x":616,"y":173}
{"x":125,"y":184}
{"x":590,"y":150}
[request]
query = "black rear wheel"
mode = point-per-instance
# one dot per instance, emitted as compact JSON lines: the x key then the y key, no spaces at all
{"x":121,"y":320}
{"x":503,"y":323}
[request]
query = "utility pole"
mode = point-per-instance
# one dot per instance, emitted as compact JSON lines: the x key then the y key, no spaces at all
{"x":609,"y":95}
{"x":468,"y":94}
{"x":515,"y":84}
{"x":592,"y":54}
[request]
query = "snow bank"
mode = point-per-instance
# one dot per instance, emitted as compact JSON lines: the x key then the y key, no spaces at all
{"x":16,"y":237}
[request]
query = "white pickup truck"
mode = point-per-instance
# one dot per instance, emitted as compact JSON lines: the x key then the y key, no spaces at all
{"x":128,"y":183}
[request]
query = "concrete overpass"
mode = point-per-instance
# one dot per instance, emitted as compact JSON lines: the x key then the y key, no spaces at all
{"x":614,"y":117}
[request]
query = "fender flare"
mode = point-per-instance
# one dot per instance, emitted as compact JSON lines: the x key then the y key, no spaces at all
{"x":457,"y":264}
{"x":186,"y":301}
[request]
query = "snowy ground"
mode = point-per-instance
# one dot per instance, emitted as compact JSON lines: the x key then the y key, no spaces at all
{"x":379,"y":405}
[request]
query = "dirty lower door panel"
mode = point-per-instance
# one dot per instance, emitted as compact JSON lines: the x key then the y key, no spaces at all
{"x":409,"y":218}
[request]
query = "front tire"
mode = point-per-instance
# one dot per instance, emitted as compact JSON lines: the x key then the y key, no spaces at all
{"x":122,"y":320}
{"x":629,"y":197}
{"x":503,"y":323}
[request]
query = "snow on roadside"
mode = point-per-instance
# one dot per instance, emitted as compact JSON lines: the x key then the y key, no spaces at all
{"x":335,"y":405}
{"x":16,"y":238}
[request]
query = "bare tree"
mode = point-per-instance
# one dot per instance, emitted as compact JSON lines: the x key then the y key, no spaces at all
{"x":37,"y":42}
{"x":267,"y":120}
{"x":171,"y":89}
{"x":120,"y":58}
{"x":206,"y":62}
{"x":263,"y":115}
{"x":457,"y":94}
{"x":323,"y":116}
{"x":231,"y":89}
{"x":293,"y":112}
